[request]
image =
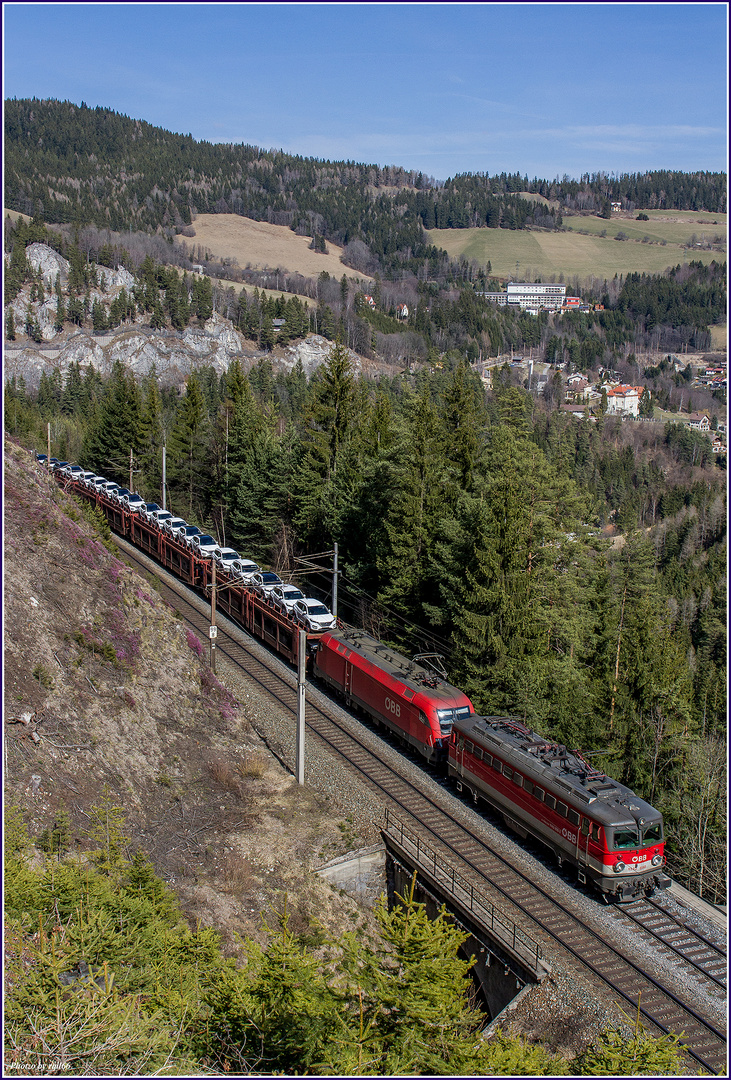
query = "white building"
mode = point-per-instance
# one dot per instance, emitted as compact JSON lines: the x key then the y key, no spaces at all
{"x":624,"y":400}
{"x":528,"y":295}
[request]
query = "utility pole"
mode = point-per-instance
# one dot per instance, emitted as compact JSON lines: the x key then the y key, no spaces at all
{"x":213,"y":629}
{"x":301,"y":664}
{"x":308,"y":566}
{"x":163,"y":477}
{"x":335,"y":580}
{"x":130,"y":469}
{"x":48,"y":459}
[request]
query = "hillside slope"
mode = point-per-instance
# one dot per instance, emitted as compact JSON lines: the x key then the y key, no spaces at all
{"x":104,"y":690}
{"x":262,"y":245}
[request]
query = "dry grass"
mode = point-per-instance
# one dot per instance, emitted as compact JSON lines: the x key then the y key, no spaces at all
{"x":230,"y":777}
{"x":226,"y":778}
{"x":261,"y":245}
{"x":237,"y":286}
{"x":718,"y":336}
{"x":254,"y":764}
{"x":238,"y":873}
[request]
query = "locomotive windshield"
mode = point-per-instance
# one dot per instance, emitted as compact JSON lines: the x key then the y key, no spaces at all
{"x":652,"y":834}
{"x":624,"y":837}
{"x":446,"y":718}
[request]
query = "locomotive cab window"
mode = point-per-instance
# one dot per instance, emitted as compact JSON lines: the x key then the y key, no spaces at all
{"x":624,"y":837}
{"x":652,"y":834}
{"x":595,"y":832}
{"x":585,"y":826}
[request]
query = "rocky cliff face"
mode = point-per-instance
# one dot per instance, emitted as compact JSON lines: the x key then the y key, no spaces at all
{"x":174,"y":354}
{"x":106,"y":691}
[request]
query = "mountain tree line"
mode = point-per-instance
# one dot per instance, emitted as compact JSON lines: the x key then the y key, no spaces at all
{"x":95,"y":166}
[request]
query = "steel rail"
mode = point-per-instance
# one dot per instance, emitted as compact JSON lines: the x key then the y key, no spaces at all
{"x":439,"y":836}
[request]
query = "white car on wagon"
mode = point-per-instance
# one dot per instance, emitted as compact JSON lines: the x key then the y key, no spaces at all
{"x":244,"y":569}
{"x":173,"y":525}
{"x":313,"y":615}
{"x":284,"y":597}
{"x":203,"y":545}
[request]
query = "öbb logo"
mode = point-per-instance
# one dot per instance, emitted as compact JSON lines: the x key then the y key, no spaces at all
{"x":392,"y":706}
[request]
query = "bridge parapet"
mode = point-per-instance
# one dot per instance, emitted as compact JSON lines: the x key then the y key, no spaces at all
{"x":478,"y":914}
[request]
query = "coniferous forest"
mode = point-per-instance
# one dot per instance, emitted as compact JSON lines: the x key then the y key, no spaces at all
{"x":469,"y":523}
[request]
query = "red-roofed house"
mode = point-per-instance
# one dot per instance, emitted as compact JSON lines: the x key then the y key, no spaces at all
{"x":624,"y":400}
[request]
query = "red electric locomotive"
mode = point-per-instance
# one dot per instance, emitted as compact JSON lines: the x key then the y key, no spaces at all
{"x":414,"y":701}
{"x":613,"y":837}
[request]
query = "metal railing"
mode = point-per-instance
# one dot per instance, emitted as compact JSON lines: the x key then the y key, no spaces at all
{"x":462,"y":892}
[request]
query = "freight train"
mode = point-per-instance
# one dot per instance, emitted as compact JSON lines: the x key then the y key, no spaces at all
{"x":613,"y":838}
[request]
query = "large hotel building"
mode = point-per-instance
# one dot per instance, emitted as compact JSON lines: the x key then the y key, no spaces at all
{"x":527,"y":295}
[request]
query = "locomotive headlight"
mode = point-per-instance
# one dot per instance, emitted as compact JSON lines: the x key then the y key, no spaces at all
{"x":657,"y":860}
{"x":618,"y":867}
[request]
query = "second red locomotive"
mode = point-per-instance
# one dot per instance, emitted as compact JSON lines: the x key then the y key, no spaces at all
{"x":414,"y":701}
{"x":612,"y":836}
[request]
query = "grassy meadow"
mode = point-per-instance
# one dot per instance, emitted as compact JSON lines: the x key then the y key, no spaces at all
{"x":588,"y":253}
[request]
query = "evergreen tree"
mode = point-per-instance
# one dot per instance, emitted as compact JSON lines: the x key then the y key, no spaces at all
{"x":98,"y":317}
{"x":504,"y":615}
{"x":414,"y":511}
{"x":326,"y":432}
{"x":60,"y":314}
{"x":151,"y":436}
{"x":115,"y":428}
{"x":186,"y":451}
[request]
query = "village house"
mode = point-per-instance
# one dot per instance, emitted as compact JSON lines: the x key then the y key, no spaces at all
{"x":699,"y":421}
{"x":581,"y":412}
{"x":576,"y":386}
{"x":624,"y":400}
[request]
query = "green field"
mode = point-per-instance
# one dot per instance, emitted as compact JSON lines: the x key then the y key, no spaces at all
{"x":684,"y":224}
{"x":540,"y":255}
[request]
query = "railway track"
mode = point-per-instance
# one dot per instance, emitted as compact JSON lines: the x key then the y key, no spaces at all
{"x":660,"y":1005}
{"x":702,"y":954}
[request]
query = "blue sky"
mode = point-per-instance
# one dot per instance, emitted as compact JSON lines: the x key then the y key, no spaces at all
{"x":542,"y":89}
